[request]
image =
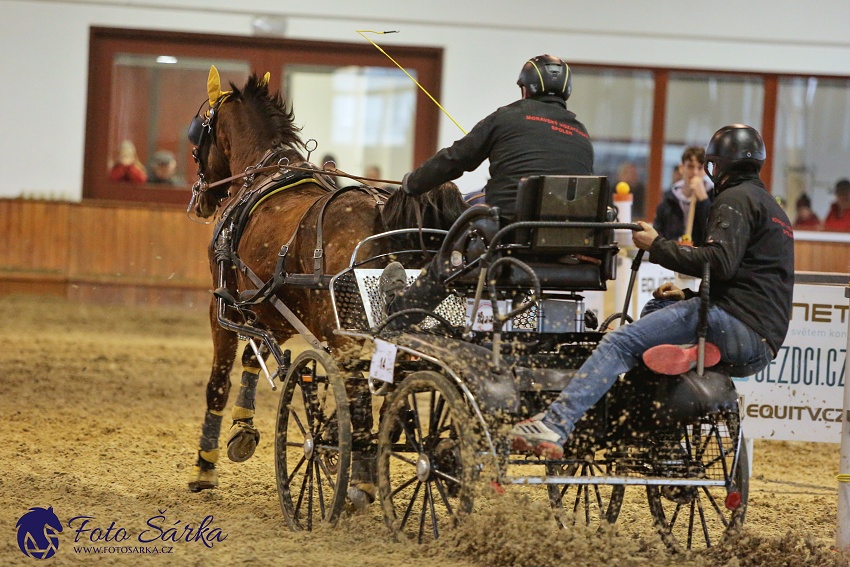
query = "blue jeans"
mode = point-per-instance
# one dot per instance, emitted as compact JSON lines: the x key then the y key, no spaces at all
{"x":743,"y":352}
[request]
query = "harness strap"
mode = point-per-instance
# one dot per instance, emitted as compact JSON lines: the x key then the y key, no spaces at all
{"x":287,"y":313}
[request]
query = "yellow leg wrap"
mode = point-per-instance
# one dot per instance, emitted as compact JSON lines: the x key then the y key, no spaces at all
{"x":203,"y":479}
{"x":241,"y":413}
{"x":221,"y":413}
{"x":210,"y":456}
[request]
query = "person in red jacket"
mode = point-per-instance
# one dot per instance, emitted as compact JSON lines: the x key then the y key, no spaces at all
{"x":806,"y":218}
{"x":128,"y":168}
{"x":838,"y":219}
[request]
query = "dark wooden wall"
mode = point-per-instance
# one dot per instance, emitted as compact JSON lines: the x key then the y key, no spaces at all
{"x":104,"y":253}
{"x":146,"y":254}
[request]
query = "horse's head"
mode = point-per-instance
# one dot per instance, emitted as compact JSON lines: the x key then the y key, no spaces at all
{"x":236,"y":130}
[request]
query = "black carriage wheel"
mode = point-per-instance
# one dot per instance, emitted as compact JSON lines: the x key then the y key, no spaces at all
{"x":427,"y":457}
{"x":697,"y":517}
{"x":584,"y":504}
{"x":312,"y":442}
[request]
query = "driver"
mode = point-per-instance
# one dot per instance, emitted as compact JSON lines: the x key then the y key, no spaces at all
{"x":750,"y":249}
{"x":536,"y":135}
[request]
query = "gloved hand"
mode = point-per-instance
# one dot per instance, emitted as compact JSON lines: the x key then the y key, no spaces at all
{"x":404,"y":186}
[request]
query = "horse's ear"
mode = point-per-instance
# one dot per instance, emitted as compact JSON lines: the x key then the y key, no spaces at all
{"x":264,"y":82}
{"x":213,"y":85}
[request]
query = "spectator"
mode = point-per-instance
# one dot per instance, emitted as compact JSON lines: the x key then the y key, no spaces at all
{"x":672,"y":214}
{"x":163,"y":167}
{"x":806,"y":219}
{"x":128,"y":168}
{"x":838,"y":219}
{"x":675,"y":174}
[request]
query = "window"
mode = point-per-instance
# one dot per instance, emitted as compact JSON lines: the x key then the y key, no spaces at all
{"x":145,"y":86}
{"x":363,"y":116}
{"x":698,"y":104}
{"x":812,"y":141}
{"x":616,"y":106}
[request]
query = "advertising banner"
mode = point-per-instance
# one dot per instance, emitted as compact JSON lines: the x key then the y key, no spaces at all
{"x":799,"y":396}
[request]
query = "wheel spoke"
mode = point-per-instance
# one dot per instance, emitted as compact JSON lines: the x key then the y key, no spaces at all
{"x":443,"y":496}
{"x":297,"y":419}
{"x":411,"y":435}
{"x":301,"y":491}
{"x":309,"y":409}
{"x":301,"y":461}
{"x":310,"y":467}
{"x":430,"y":497}
{"x":328,"y":474}
{"x":401,"y":457}
{"x":713,"y":501}
{"x":437,"y":415}
{"x":445,"y":476}
{"x":319,"y":490}
{"x":410,"y":504}
{"x":416,"y":419}
{"x":402,"y":486}
{"x":422,"y":514}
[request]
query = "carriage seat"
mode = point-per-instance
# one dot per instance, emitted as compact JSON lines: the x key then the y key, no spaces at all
{"x":563,"y":259}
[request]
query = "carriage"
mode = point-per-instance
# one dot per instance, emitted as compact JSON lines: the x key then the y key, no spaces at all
{"x":498,"y":349}
{"x":423,"y":412}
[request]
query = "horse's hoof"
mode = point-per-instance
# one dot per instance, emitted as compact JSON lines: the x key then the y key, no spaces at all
{"x":242,"y":441}
{"x":205,"y":479}
{"x":361,"y":496}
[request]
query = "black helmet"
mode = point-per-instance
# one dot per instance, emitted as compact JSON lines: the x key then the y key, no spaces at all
{"x":546,"y":75}
{"x":731,"y":146}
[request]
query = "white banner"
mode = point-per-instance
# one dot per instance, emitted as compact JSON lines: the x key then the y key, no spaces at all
{"x":799,"y":396}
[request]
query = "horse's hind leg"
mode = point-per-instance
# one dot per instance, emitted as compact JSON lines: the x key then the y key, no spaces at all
{"x":244,"y":437}
{"x":362,"y":487}
{"x":218,"y":388}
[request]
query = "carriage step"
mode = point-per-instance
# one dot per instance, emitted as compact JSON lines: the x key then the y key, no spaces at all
{"x":626,"y":480}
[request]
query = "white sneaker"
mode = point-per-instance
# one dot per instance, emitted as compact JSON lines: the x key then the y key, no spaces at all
{"x":534,"y":436}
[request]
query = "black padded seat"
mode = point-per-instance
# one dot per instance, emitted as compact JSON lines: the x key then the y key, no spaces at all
{"x":564,"y":259}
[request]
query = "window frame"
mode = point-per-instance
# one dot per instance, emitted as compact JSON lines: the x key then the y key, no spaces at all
{"x":262,"y":54}
{"x":655,"y":170}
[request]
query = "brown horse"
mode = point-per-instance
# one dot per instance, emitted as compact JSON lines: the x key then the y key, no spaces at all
{"x":251,"y":127}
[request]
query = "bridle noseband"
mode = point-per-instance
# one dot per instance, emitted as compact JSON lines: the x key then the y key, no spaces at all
{"x":202,"y":128}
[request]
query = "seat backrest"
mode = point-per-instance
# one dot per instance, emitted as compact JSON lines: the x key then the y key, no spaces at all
{"x":578,"y":198}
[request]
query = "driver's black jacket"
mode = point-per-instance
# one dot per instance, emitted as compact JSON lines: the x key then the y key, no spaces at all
{"x":750,"y":248}
{"x":537,"y":136}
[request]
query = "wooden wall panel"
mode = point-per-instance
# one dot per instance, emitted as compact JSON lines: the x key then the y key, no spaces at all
{"x":35,"y":237}
{"x":111,"y":253}
{"x":104,"y":252}
{"x":814,"y":256}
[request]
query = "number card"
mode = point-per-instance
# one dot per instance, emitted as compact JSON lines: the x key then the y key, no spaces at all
{"x":483,"y":317}
{"x":383,"y":361}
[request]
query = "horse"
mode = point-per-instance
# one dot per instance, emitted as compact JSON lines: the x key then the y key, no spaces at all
{"x":438,"y":209}
{"x":250,"y":129}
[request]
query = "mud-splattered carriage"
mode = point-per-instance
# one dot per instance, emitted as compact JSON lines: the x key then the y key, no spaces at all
{"x":286,"y":244}
{"x":506,"y":340}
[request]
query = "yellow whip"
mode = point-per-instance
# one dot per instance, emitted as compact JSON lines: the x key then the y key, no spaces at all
{"x":378,"y":47}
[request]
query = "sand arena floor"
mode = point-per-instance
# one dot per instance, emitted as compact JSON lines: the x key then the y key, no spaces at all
{"x":102,"y":408}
